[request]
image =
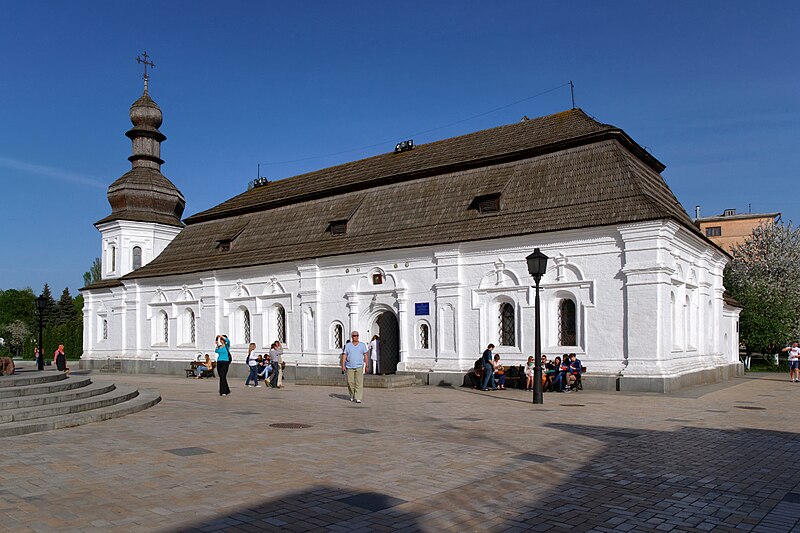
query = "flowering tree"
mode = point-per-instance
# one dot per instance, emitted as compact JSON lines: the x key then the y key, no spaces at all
{"x":764,"y":276}
{"x":17,"y":332}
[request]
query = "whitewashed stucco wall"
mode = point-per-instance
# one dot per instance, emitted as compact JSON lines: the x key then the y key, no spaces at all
{"x":623,"y":280}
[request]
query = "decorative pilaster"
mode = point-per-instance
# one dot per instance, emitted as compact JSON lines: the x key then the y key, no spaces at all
{"x":402,"y":330}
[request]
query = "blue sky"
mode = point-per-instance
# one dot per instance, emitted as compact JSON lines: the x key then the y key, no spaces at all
{"x":710,"y":88}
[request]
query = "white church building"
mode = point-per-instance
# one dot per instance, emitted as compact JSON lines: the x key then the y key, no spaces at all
{"x":425,"y":246}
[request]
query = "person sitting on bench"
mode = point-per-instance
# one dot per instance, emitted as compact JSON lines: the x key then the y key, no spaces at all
{"x":263,"y":366}
{"x":204,"y":366}
{"x":565,"y":378}
{"x":552,"y":375}
{"x":574,"y":369}
{"x":499,"y":372}
{"x":530,"y":372}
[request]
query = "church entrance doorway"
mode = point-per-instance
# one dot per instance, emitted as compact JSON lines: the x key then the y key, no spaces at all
{"x":390,"y":342}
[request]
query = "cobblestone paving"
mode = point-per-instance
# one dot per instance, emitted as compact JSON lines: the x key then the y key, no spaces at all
{"x":715,"y":458}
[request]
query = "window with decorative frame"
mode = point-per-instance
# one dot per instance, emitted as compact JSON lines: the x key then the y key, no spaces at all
{"x":164,"y":324}
{"x":566,"y":323}
{"x":136,"y":257}
{"x":191,"y":336}
{"x":424,"y":336}
{"x":337,"y":336}
{"x":507,"y":334}
{"x":246,"y":326}
{"x":280,"y":324}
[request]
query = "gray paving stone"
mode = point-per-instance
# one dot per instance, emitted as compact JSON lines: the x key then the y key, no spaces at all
{"x":603,"y":472}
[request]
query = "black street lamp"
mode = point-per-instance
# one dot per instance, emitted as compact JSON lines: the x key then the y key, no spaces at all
{"x":41,"y":304}
{"x":537,"y":266}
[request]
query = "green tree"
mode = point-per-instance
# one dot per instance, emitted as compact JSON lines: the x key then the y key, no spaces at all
{"x":765,"y":277}
{"x":64,"y":310}
{"x":94,"y":274}
{"x":50,"y":307}
{"x":17,"y":305}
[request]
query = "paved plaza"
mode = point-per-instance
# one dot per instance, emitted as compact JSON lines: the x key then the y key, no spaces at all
{"x":714,"y":458}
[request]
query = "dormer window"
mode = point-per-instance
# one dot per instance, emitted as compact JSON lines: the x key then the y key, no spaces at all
{"x":225,"y":240}
{"x":338,"y":227}
{"x":487,"y":203}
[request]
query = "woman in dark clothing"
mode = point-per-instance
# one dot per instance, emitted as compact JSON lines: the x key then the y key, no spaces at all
{"x":223,"y":362}
{"x":60,"y":359}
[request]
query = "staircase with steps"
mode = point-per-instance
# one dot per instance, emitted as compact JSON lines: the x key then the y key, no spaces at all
{"x":388,"y":381}
{"x":33,"y":401}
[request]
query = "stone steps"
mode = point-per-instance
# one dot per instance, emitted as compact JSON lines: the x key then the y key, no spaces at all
{"x":23,"y":378}
{"x":142,"y":401}
{"x":40,"y":401}
{"x":389,"y":381}
{"x":84,"y":390}
{"x":46,"y":387}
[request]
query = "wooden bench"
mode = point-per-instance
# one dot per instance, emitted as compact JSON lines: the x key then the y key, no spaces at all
{"x":205,"y":373}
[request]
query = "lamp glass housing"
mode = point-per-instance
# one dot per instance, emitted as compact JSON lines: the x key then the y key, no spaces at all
{"x":537,"y":263}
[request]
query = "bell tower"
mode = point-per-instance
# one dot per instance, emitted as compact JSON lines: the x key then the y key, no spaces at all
{"x":146,"y":207}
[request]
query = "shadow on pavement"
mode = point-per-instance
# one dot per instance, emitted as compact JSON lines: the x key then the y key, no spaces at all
{"x":316,"y":509}
{"x":690,"y":479}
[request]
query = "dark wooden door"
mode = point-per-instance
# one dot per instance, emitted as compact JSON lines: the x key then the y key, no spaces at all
{"x":390,"y":343}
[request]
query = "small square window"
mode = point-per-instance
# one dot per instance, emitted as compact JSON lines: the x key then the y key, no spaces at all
{"x":489,"y":205}
{"x":486,"y":203}
{"x":225,"y":245}
{"x":338,"y":227}
{"x":714,"y":231}
{"x":377,"y":279}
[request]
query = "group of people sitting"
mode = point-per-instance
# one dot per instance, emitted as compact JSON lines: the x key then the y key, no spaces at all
{"x":558,"y":375}
{"x":267,"y":367}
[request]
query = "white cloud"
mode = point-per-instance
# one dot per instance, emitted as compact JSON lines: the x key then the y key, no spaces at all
{"x":52,"y":172}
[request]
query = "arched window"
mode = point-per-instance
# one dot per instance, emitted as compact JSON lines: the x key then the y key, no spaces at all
{"x":566,"y":323}
{"x":190,"y":327}
{"x":507,"y":334}
{"x":137,"y":257}
{"x":164,"y":325}
{"x":424,"y":336}
{"x":246,"y":326}
{"x":280,"y":324}
{"x":337,"y":336}
{"x":674,"y":316}
{"x":686,"y":325}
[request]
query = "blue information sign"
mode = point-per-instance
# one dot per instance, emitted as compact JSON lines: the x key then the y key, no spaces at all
{"x":422,"y":309}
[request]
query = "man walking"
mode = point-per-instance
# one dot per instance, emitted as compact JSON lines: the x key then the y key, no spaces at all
{"x":794,"y":362}
{"x":353,"y":362}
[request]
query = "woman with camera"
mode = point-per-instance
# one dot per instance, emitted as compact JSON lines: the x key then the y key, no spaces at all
{"x":224,"y":359}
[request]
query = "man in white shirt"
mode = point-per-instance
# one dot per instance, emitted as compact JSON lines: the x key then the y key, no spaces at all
{"x":794,"y":362}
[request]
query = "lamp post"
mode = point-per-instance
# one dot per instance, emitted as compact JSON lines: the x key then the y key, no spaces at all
{"x":537,"y":266}
{"x":41,"y":303}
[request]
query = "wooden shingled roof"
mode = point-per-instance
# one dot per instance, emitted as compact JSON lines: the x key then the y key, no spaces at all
{"x":562,"y":171}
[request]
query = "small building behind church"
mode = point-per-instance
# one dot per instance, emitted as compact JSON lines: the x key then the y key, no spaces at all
{"x":425,"y":246}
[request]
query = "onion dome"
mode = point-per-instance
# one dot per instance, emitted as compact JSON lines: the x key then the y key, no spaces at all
{"x":144,"y":194}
